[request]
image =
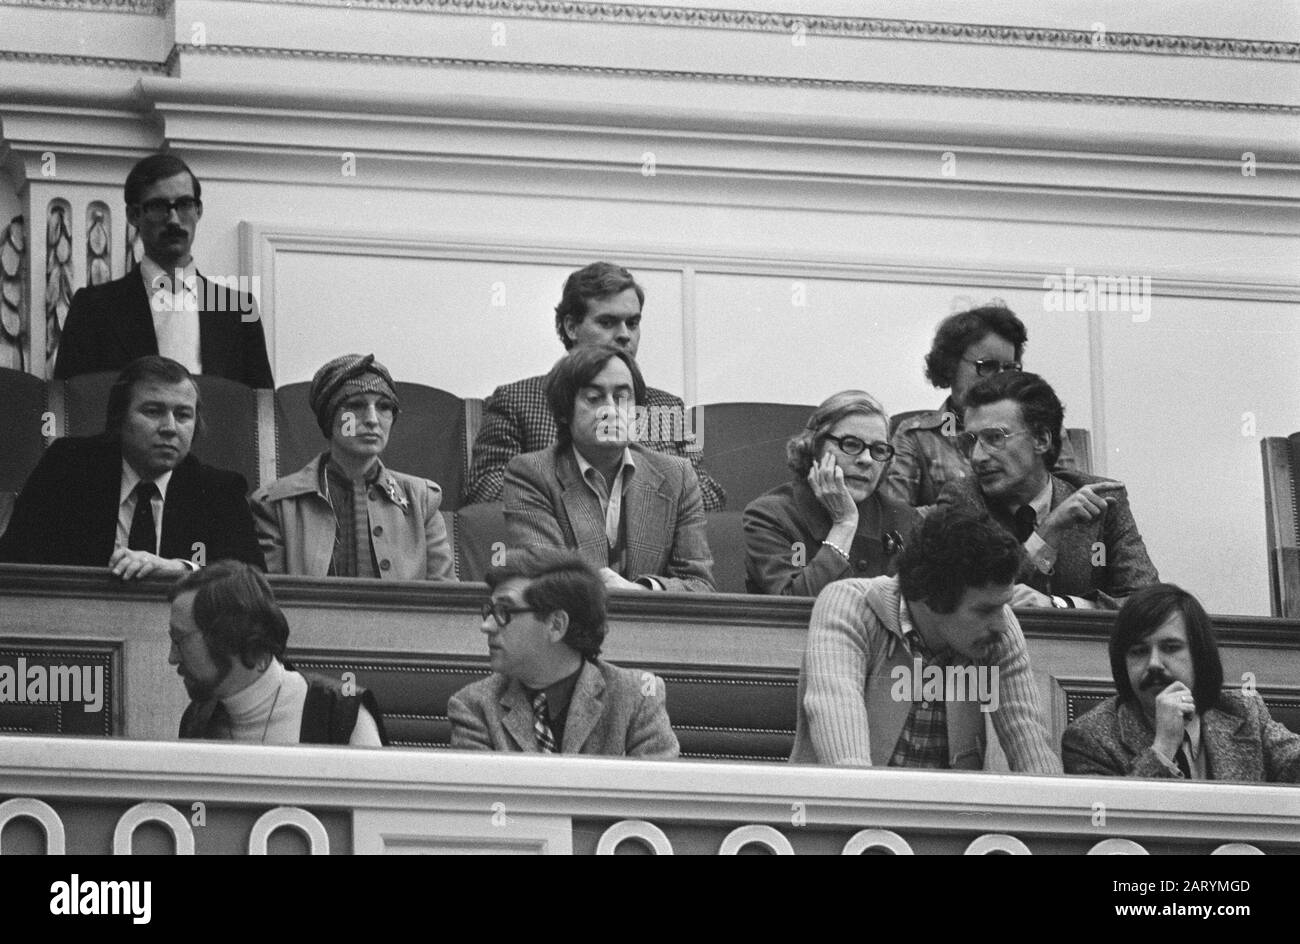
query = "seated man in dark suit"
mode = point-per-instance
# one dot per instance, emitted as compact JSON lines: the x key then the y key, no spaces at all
{"x":601,"y":304}
{"x":133,"y":498}
{"x":163,"y":305}
{"x":548,"y":691}
{"x":228,"y":638}
{"x":1172,"y":717}
{"x":634,"y":514}
{"x":1083,"y":545}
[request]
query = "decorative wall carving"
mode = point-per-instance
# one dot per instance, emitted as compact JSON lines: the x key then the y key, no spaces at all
{"x":134,"y":248}
{"x":153,"y":7}
{"x":213,"y":49}
{"x":99,"y":244}
{"x":58,"y":276}
{"x":13,"y":297}
{"x":843,"y":26}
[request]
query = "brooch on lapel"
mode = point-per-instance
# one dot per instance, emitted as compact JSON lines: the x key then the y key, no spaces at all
{"x":891,"y":542}
{"x":396,"y":497}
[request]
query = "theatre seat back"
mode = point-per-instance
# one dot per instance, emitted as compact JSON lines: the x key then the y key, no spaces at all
{"x":716,"y":714}
{"x":232,"y":437}
{"x":727,"y":542}
{"x":22,"y":427}
{"x":1281,"y":458}
{"x":480,"y":534}
{"x":744,"y":446}
{"x":428,"y":437}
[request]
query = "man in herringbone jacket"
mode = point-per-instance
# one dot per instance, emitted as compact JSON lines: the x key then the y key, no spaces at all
{"x":601,"y":304}
{"x":634,"y":515}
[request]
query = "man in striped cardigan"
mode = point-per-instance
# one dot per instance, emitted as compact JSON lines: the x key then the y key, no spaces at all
{"x":901,"y":671}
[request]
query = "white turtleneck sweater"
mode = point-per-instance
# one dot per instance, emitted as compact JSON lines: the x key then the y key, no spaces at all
{"x":269,"y":711}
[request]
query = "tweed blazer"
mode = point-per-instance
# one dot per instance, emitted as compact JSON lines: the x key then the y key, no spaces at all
{"x":790,"y":515}
{"x":847,"y":712}
{"x":110,"y":325}
{"x":516,"y":420}
{"x":1240,"y":739}
{"x":1125,"y":568}
{"x":926,"y":458}
{"x":67,"y":510}
{"x":296,"y":526}
{"x":547,"y":504}
{"x":613,"y":711}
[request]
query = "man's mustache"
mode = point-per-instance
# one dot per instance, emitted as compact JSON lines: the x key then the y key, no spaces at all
{"x":1155,"y":678}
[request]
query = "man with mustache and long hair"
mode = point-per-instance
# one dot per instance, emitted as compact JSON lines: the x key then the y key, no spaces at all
{"x":1172,"y":716}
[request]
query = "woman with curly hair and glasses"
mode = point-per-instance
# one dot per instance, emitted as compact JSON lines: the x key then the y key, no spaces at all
{"x":968,"y":347}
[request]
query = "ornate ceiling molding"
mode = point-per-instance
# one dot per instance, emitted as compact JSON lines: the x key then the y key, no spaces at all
{"x":170,"y":68}
{"x":149,"y":7}
{"x":841,"y":26}
{"x":62,"y":59}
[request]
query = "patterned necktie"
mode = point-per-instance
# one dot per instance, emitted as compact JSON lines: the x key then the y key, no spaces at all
{"x":143,"y":535}
{"x":542,"y":724}
{"x":1026,"y":519}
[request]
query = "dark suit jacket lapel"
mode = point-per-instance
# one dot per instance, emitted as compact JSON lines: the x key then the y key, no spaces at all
{"x":216,"y":341}
{"x":645,"y":520}
{"x":582,"y":509}
{"x":105,"y":472}
{"x":586,"y":706}
{"x":133,"y":319}
{"x":517,"y":715}
{"x":180,"y":511}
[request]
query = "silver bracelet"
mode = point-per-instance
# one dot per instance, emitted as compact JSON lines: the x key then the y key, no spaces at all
{"x":839,"y":550}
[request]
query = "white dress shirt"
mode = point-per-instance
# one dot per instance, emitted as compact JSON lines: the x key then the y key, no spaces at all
{"x":175,"y":307}
{"x":126,"y":505}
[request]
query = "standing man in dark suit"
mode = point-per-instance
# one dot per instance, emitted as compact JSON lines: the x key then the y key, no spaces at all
{"x":134,"y":499}
{"x":549,"y":692}
{"x":163,"y":305}
{"x":1083,"y":545}
{"x":633,"y":514}
{"x":601,"y":304}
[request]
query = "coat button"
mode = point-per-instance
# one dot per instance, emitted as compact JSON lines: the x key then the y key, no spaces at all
{"x":379,"y":531}
{"x":385,"y":564}
{"x":374,"y":495}
{"x":861,"y":565}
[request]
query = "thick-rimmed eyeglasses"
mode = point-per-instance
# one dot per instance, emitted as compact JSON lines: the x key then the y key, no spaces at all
{"x":994,"y":439}
{"x":988,"y":366}
{"x":853,"y":446}
{"x":158,"y":210}
{"x":501,"y":612}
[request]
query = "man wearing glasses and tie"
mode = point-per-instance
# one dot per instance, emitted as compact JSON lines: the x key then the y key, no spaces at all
{"x":549,"y":692}
{"x":968,"y":347}
{"x":1083,"y":545}
{"x":163,"y":305}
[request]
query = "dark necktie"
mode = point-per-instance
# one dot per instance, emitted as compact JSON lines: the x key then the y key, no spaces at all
{"x":143,"y":535}
{"x":1180,"y":758}
{"x":220,"y":725}
{"x":542,"y":724}
{"x":1025,"y":519}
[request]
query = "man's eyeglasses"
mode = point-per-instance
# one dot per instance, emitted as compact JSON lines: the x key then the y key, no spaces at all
{"x":158,"y":210}
{"x":501,"y":612}
{"x":853,"y":446}
{"x":994,"y":439}
{"x":988,"y":366}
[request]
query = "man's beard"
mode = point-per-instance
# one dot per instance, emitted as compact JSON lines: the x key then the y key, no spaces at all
{"x":200,"y":690}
